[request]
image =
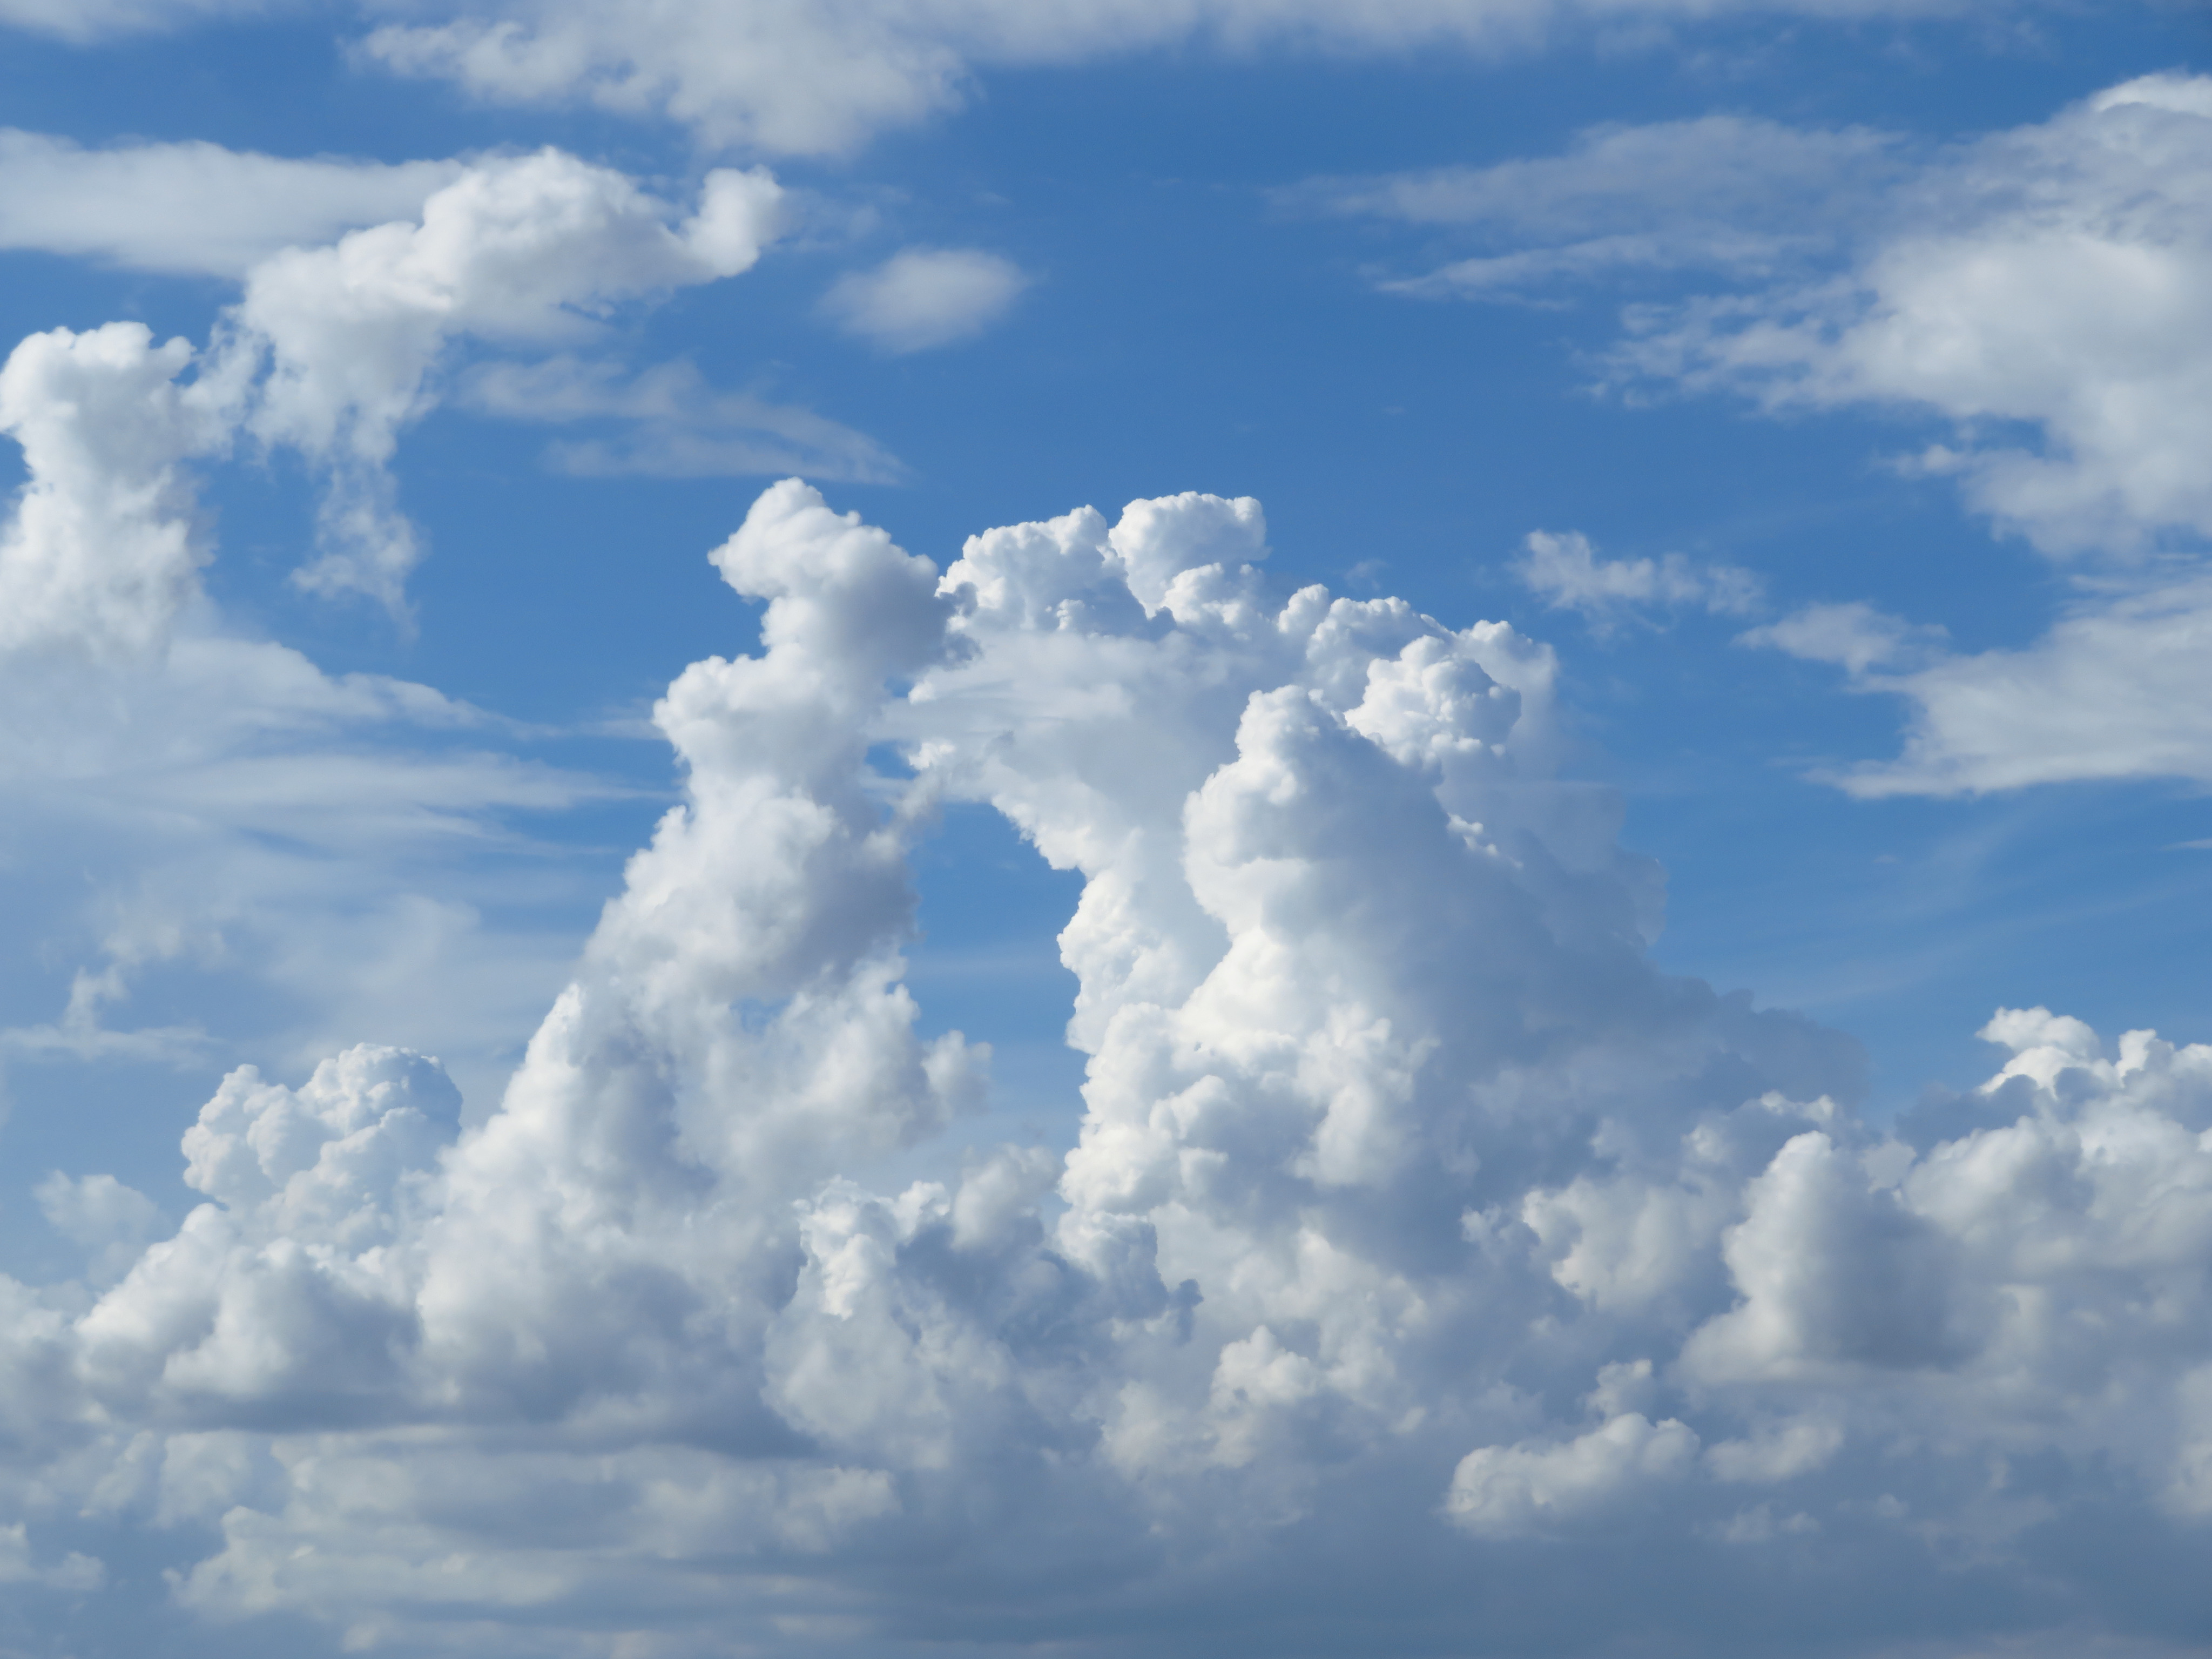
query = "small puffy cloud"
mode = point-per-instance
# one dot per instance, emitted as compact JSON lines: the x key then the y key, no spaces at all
{"x":330,"y":351}
{"x":1854,"y":636}
{"x":1565,"y":572}
{"x":1503,"y":1491}
{"x":100,"y":553}
{"x":194,"y":208}
{"x":925,"y":297}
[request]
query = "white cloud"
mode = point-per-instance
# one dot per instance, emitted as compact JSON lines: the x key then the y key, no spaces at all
{"x":925,"y":297}
{"x":785,"y":75}
{"x":518,"y":250}
{"x":1854,"y":636}
{"x":100,"y":552}
{"x":193,"y":208}
{"x":231,"y":816}
{"x":86,"y":20}
{"x":111,"y":1222}
{"x":334,"y":350}
{"x":1722,"y":193}
{"x":2045,"y":294}
{"x":2044,"y":290}
{"x":1505,"y":1492}
{"x":678,"y":427}
{"x":1565,"y":572}
{"x":2118,"y":688}
{"x":1417,"y":1224}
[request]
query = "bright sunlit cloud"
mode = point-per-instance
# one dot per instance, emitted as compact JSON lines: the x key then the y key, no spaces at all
{"x":792,"y":1042}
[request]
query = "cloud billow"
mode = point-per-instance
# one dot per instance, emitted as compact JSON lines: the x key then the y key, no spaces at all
{"x":1426,"y":1255}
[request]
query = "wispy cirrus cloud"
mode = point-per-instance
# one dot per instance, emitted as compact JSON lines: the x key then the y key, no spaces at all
{"x":2040,"y":292}
{"x":672,"y":425}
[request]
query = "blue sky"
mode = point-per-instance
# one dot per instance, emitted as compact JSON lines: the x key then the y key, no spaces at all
{"x":1815,"y":393}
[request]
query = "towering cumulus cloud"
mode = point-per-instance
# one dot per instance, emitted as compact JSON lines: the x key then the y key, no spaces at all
{"x":1431,"y":1272}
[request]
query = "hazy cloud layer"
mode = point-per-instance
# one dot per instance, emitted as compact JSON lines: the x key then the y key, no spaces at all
{"x":1426,"y":1255}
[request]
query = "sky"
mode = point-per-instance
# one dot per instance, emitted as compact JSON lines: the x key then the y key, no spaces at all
{"x":936,"y":826}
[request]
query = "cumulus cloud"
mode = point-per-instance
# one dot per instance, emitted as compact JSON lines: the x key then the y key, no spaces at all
{"x":333,"y":350}
{"x":195,"y":207}
{"x":925,"y":297}
{"x":793,"y":77}
{"x":529,"y":248}
{"x":1422,"y":1244}
{"x":100,"y":551}
{"x":1567,"y":572}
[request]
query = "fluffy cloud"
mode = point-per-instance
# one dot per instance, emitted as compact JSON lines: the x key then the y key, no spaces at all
{"x":783,"y":76}
{"x":925,"y":297}
{"x":2044,"y":291}
{"x":1975,"y":282}
{"x":100,"y":552}
{"x":1566,"y":571}
{"x":519,"y":250}
{"x":1422,"y":1244}
{"x":195,"y":208}
{"x":335,"y":346}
